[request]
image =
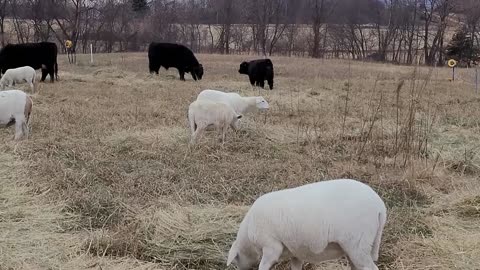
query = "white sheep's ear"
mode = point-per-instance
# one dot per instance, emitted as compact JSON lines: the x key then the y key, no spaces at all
{"x":232,"y":254}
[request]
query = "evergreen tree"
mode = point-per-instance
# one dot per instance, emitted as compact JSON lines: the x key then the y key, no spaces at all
{"x":462,"y":47}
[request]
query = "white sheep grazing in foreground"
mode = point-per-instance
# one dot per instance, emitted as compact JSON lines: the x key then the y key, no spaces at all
{"x":240,"y":104}
{"x":312,"y":223}
{"x":18,"y":75}
{"x":203,"y":113}
{"x":15,"y":107}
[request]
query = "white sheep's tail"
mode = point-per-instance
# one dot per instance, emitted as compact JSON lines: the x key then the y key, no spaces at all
{"x":27,"y":124}
{"x":382,"y":219}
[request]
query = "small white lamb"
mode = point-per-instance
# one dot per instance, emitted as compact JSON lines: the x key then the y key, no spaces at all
{"x":312,"y":223}
{"x":204,"y":113}
{"x":15,"y":107}
{"x":18,"y":75}
{"x":240,"y":104}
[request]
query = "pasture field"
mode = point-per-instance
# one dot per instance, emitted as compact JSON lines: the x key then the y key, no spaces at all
{"x":107,"y":180}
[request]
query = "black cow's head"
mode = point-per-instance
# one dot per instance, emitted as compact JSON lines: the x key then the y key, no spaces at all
{"x":197,"y":72}
{"x":243,"y":68}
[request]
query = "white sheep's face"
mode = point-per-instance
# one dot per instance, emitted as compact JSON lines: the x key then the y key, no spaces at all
{"x":262,"y":104}
{"x":240,"y":259}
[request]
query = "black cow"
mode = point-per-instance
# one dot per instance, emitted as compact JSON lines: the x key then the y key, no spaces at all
{"x":258,"y":71}
{"x":169,"y":55}
{"x":37,"y":55}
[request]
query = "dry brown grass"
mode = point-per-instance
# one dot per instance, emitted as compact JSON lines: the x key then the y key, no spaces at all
{"x":109,"y":164}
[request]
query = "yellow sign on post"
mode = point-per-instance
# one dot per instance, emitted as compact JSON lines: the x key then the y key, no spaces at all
{"x":452,"y":63}
{"x":70,"y":51}
{"x":68,"y":44}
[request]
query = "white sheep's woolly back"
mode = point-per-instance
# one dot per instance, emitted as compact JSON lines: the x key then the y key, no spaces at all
{"x":18,"y":75}
{"x":241,"y":105}
{"x":15,"y":106}
{"x":312,"y":223}
{"x":204,"y":113}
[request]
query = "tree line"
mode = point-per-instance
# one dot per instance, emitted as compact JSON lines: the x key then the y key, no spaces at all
{"x":399,"y":31}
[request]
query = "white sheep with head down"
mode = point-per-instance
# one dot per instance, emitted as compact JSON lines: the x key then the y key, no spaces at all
{"x":205,"y":113}
{"x":312,"y":223}
{"x":241,"y":105}
{"x":15,"y":108}
{"x":18,"y":75}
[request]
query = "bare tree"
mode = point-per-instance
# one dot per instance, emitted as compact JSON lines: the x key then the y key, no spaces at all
{"x":68,"y":16}
{"x":260,"y":14}
{"x":439,"y":9}
{"x":429,"y":8}
{"x":22,"y":28}
{"x":321,"y":9}
{"x":3,"y":14}
{"x":279,"y":24}
{"x":410,"y":26}
{"x":386,"y":24}
{"x":224,"y":11}
{"x":445,"y":10}
{"x":471,"y":9}
{"x":40,"y":17}
{"x":163,"y":15}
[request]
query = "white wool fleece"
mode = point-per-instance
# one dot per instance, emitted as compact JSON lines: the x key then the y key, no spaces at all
{"x":312,"y":223}
{"x":240,"y":104}
{"x":18,"y":75}
{"x":204,"y":113}
{"x":15,"y":106}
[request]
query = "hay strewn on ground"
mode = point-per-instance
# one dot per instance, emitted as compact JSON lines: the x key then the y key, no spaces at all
{"x":109,"y":166}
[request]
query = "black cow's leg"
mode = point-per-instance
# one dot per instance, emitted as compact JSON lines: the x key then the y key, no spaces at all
{"x":261,"y":83}
{"x":56,"y":71}
{"x":51,"y":72}
{"x":182,"y":74}
{"x":44,"y":74}
{"x":252,"y":80}
{"x":270,"y":83}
